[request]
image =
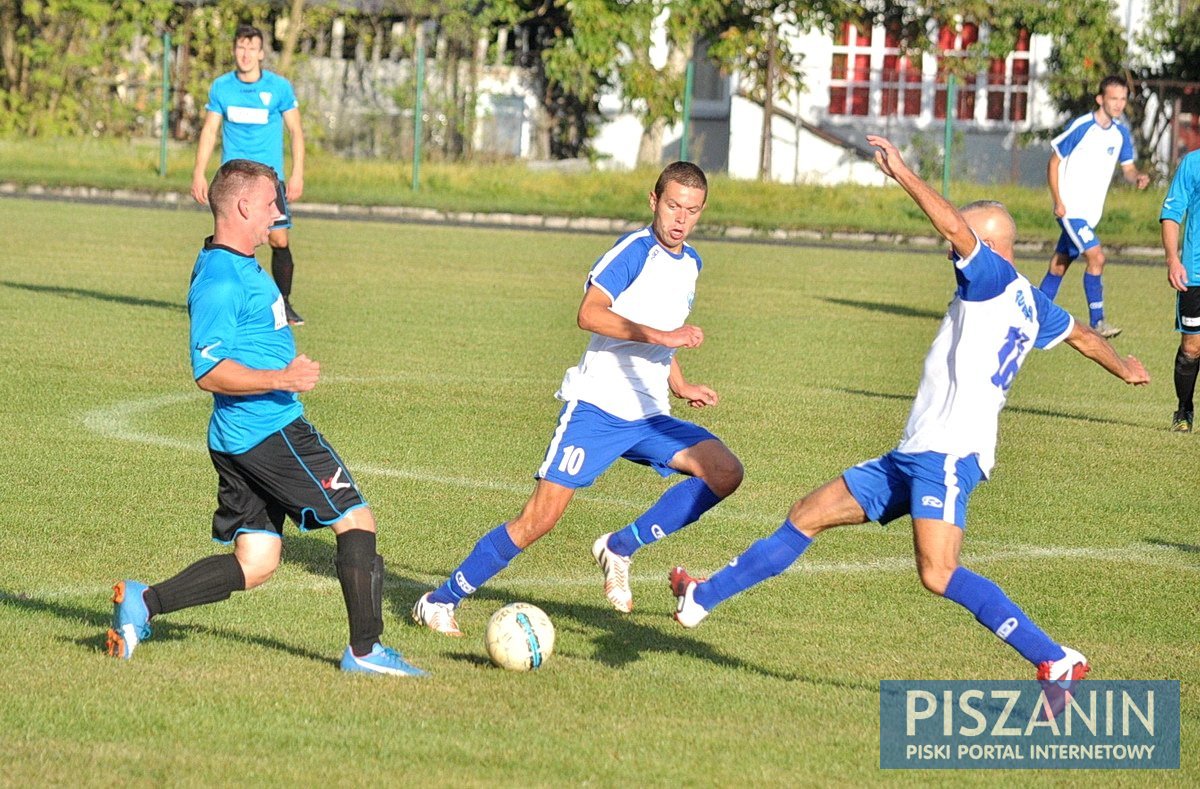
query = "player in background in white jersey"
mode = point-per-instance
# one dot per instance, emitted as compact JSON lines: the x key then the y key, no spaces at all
{"x":636,"y":301}
{"x":948,"y":446}
{"x":1079,"y":173}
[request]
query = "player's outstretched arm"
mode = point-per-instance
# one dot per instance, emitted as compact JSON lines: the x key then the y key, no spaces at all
{"x":697,"y":395}
{"x":1085,"y":340}
{"x":231,"y":378}
{"x":596,"y":315}
{"x":945,"y":218}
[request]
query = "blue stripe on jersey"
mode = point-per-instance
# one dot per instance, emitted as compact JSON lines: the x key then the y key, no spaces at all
{"x":621,"y":265}
{"x":236,"y":313}
{"x":983,"y":274}
{"x":1064,"y":143}
{"x":1054,"y":323}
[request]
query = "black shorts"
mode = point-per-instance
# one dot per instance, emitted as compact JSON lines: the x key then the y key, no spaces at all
{"x":1187,"y":310}
{"x":292,"y":472}
{"x":285,"y":218}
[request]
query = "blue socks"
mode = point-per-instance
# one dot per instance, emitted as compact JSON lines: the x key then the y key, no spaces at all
{"x":490,"y":555}
{"x":764,"y":559}
{"x":997,"y":613}
{"x":682,"y":504}
{"x":1093,"y":288}
{"x":1050,"y":284}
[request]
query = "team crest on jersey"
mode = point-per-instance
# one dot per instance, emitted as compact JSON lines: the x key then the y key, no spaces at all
{"x":1026,"y":310}
{"x":1111,"y":149}
{"x":266,"y":100}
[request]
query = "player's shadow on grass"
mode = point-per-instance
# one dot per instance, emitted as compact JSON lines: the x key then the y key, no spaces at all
{"x":1087,"y":417}
{"x":80,"y":293}
{"x":97,"y":622}
{"x":889,"y":309}
{"x":1179,"y":546}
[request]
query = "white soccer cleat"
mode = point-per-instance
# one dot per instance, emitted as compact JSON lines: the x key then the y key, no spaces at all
{"x":688,"y":612}
{"x":1070,"y":667}
{"x":616,"y":574}
{"x":438,"y":617}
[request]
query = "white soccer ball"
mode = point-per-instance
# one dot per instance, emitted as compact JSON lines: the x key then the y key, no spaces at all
{"x":520,"y":637}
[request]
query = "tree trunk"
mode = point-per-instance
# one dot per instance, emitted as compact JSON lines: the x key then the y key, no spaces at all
{"x":764,"y":159}
{"x":290,"y":39}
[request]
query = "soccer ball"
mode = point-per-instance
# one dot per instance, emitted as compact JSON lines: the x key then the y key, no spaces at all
{"x":520,"y":637}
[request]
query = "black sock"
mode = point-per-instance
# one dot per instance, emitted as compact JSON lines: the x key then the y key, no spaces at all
{"x":360,"y":571}
{"x":281,"y":269}
{"x":209,"y":580}
{"x":1186,"y":368}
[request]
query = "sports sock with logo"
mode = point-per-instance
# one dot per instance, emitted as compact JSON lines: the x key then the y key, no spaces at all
{"x":282,"y":268}
{"x":209,"y":580}
{"x":1093,"y":288}
{"x":997,"y":613}
{"x":682,"y":504}
{"x":360,"y":572}
{"x":766,"y":558}
{"x":1185,"y":379}
{"x":490,"y":555}
{"x":1050,"y":284}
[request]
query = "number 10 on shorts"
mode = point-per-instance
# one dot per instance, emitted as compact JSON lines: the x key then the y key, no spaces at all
{"x":572,"y":460}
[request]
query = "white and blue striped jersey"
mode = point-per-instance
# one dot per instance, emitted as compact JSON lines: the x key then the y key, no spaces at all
{"x":650,"y":286}
{"x":1183,"y":200}
{"x":1087,"y":152}
{"x":252,"y":117}
{"x":236,"y":312}
{"x":994,"y":319}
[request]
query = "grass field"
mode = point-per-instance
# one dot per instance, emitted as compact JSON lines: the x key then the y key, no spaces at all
{"x":440,"y":350}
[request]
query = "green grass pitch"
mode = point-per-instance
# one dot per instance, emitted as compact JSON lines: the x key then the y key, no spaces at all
{"x":441,"y":348}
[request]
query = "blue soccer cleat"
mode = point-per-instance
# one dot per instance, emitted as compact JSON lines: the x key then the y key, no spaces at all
{"x":130,"y":619}
{"x":380,"y":660}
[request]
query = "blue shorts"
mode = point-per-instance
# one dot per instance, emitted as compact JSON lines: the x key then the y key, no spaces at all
{"x":925,"y":485}
{"x":1077,"y":237}
{"x":588,"y":440}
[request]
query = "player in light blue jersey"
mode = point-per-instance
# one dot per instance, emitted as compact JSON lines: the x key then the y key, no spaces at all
{"x":1183,"y":273}
{"x":1078,"y":174}
{"x":251,"y":107}
{"x":616,"y":405}
{"x":995,"y":318}
{"x":271,"y":462}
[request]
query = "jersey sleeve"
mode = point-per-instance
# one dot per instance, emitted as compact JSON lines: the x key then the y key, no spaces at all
{"x":287,"y":97}
{"x":1064,"y":143}
{"x":983,"y":274}
{"x":213,"y":307}
{"x":214,"y":100}
{"x":1175,"y":204}
{"x":1126,"y":156}
{"x":1054,"y":323}
{"x":614,"y":272}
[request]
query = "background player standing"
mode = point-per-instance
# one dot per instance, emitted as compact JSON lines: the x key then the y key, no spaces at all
{"x":1079,"y":174}
{"x":949,"y":444}
{"x":1183,"y":199}
{"x":251,"y":106}
{"x":617,"y":404}
{"x":270,"y":461}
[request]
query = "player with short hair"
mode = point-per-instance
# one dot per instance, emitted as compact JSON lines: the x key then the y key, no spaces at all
{"x":1183,"y":274}
{"x":1079,"y":173}
{"x":270,"y":461}
{"x":251,"y":107}
{"x":636,"y":301}
{"x":948,"y":446}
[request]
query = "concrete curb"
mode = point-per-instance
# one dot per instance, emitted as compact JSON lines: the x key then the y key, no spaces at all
{"x":393,"y":213}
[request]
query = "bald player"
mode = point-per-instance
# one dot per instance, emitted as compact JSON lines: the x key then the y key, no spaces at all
{"x":949,"y":444}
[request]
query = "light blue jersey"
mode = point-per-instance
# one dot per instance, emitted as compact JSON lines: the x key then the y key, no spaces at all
{"x":237,"y":313}
{"x":252,"y":117}
{"x":1183,"y":199}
